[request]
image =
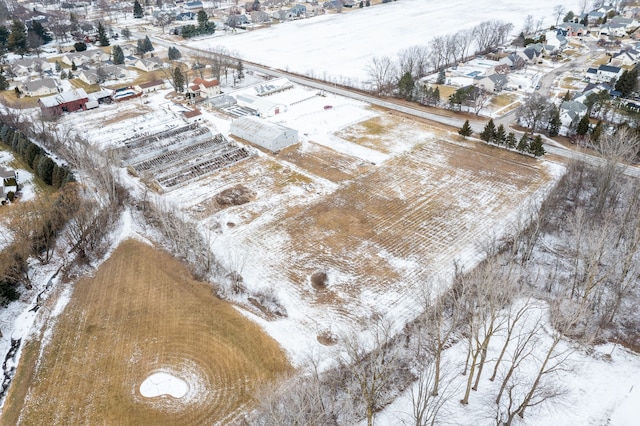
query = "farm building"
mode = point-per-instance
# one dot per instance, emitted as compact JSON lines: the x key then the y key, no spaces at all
{"x":68,"y":101}
{"x":268,"y":135}
{"x":264,"y":107}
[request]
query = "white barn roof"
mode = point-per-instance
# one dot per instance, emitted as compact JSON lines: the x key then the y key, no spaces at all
{"x":64,"y":97}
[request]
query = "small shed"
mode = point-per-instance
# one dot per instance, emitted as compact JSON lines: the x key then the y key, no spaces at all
{"x":271,"y":136}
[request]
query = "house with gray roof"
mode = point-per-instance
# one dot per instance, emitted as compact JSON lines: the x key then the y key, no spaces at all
{"x":626,"y":57}
{"x":492,"y":83}
{"x":43,"y":87}
{"x":513,"y":61}
{"x":571,"y":112}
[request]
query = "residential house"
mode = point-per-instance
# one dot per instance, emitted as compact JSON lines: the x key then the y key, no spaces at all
{"x":572,"y":29}
{"x":259,"y":16}
{"x":492,"y":83}
{"x":102,"y":74}
{"x":625,"y":58}
{"x":513,"y":61}
{"x":77,"y":58}
{"x":604,"y":74}
{"x":613,"y":30}
{"x":207,"y":88}
{"x":558,"y":41}
{"x":26,"y":67}
{"x":530,"y":55}
{"x":237,"y":21}
{"x":283,"y":15}
{"x":149,"y":64}
{"x":298,"y":11}
{"x":193,"y":5}
{"x":629,"y":23}
{"x":571,"y":112}
{"x":185,"y":16}
{"x":150,"y":86}
{"x":43,"y":87}
{"x":67,"y":101}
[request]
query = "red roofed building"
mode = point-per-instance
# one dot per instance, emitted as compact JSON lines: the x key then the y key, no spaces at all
{"x":208,"y":88}
{"x":192,"y":116}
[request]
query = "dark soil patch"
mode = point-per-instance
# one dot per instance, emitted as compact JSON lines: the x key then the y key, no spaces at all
{"x":319,"y":280}
{"x":235,"y":196}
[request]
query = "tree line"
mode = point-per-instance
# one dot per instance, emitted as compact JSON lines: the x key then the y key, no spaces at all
{"x":389,"y":77}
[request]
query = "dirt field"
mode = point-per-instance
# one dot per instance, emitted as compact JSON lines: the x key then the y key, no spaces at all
{"x":383,"y":232}
{"x":139,"y":315}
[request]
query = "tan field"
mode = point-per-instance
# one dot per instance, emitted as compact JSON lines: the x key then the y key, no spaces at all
{"x":141,"y":313}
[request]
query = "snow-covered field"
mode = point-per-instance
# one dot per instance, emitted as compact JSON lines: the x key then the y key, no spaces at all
{"x":337,"y":47}
{"x":258,"y":239}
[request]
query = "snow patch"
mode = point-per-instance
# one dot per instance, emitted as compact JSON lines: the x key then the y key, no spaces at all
{"x":159,"y":384}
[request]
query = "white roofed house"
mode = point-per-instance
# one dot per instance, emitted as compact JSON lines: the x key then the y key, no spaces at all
{"x":150,"y":86}
{"x":271,"y":136}
{"x":149,"y":64}
{"x":558,"y":41}
{"x":44,"y":87}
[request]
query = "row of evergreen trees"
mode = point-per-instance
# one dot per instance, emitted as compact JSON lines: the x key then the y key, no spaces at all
{"x":498,"y":136}
{"x":35,"y":157}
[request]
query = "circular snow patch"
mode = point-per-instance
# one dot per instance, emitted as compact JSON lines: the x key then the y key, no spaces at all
{"x":159,"y":384}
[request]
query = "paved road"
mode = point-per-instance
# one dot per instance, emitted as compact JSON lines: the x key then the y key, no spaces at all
{"x":546,"y":82}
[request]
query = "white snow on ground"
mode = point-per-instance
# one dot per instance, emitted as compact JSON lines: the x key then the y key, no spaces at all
{"x":159,"y":384}
{"x":600,"y":387}
{"x":337,"y":47}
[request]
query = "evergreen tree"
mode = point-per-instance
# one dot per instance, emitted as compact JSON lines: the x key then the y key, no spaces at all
{"x":146,"y":44}
{"x":58,"y":67}
{"x":442,"y":77}
{"x":523,"y":144}
{"x":140,"y":48}
{"x":102,"y":35}
{"x":510,"y":141}
{"x":178,"y":80}
{"x":500,"y":135}
{"x":406,"y":86}
{"x":37,"y":28}
{"x":240,"y":71}
{"x":4,"y":38}
{"x":118,"y":55}
{"x":126,"y":33}
{"x":435,"y":96}
{"x":489,"y":131}
{"x":583,"y":126}
{"x":536,"y":147}
{"x":174,"y":53}
{"x":74,"y":67}
{"x":137,"y":10}
{"x":465,"y":130}
{"x":628,"y":82}
{"x":17,"y":41}
{"x":203,"y":19}
{"x":554,"y":121}
{"x":596,"y":133}
{"x":4,"y":84}
{"x":567,"y":96}
{"x":80,"y":46}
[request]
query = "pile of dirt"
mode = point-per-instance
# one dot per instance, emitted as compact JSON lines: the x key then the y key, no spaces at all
{"x":235,"y":196}
{"x":319,"y":280}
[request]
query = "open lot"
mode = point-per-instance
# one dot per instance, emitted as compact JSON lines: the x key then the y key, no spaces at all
{"x":141,"y":314}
